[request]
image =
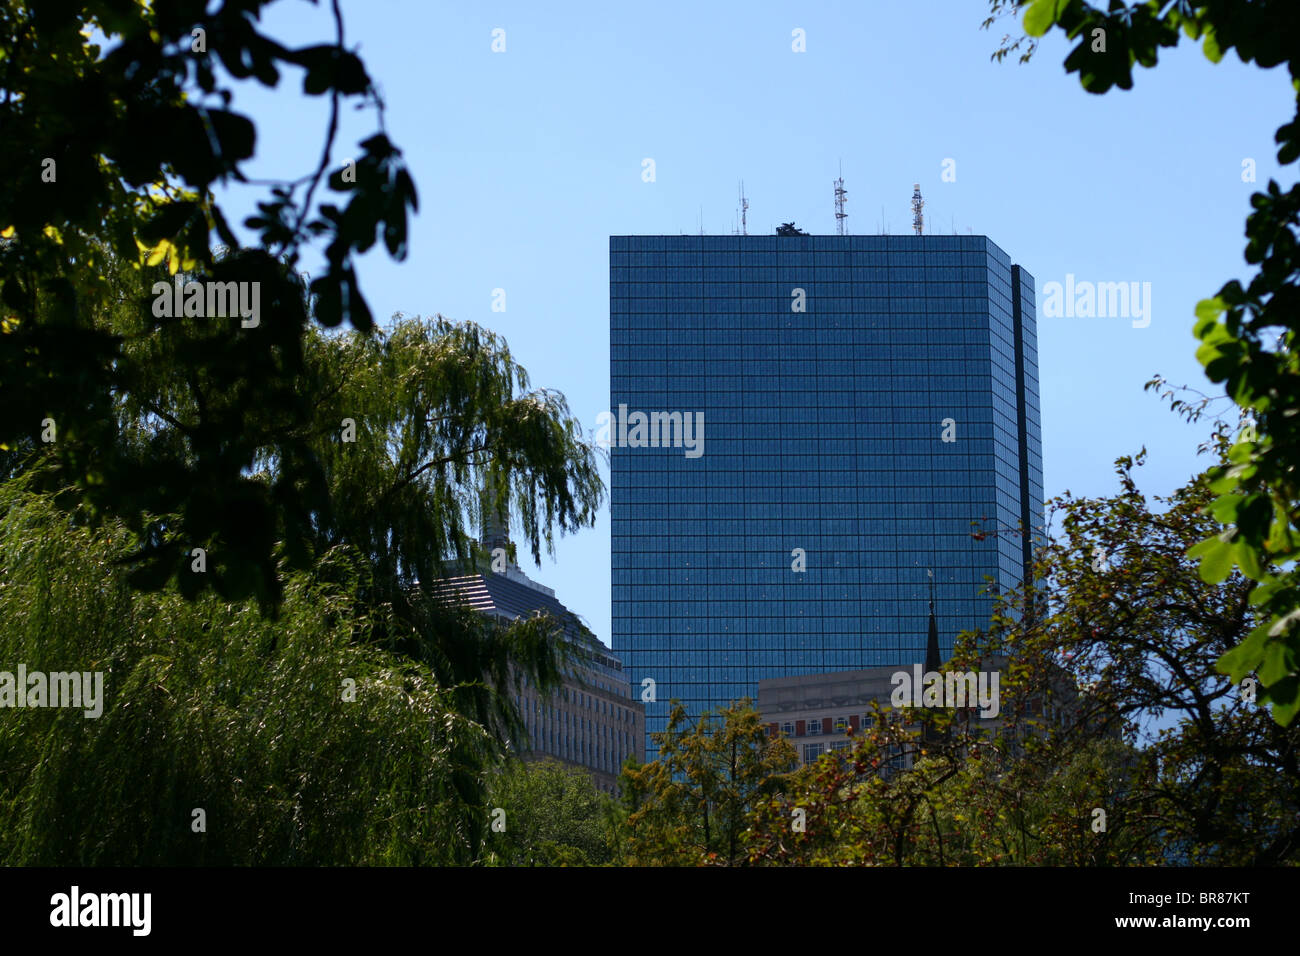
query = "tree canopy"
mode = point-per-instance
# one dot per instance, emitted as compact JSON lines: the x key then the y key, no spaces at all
{"x":1247,"y":333}
{"x":117,"y":126}
{"x":691,"y":806}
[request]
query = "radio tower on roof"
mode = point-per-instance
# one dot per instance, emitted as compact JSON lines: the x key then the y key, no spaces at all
{"x":744,"y":210}
{"x":918,"y":220}
{"x":840,"y":195}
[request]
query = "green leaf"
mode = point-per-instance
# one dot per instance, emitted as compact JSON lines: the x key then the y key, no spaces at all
{"x":1247,"y":557}
{"x":1277,"y":663}
{"x":1213,"y":52}
{"x":1224,"y":508}
{"x":1265,"y":590}
{"x":1216,"y":335}
{"x":1207,"y":314}
{"x":1253,"y":517}
{"x":1246,"y":656}
{"x":1215,"y":555}
{"x":1223,"y":482}
{"x":1239,"y":454}
{"x":1040,"y":17}
{"x":1285,"y":696}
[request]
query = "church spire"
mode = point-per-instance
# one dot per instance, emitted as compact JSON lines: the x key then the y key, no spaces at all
{"x":932,"y":659}
{"x":932,"y":663}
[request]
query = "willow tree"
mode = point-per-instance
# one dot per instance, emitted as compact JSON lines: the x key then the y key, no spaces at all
{"x":405,"y":427}
{"x":424,"y":431}
{"x":223,"y":737}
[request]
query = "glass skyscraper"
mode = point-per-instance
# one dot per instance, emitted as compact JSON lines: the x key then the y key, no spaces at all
{"x":864,"y":408}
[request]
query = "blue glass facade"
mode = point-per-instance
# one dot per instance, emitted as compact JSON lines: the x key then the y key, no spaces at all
{"x":823,"y":430}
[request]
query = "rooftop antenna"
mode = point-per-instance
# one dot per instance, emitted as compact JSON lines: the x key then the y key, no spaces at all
{"x":744,"y":210}
{"x":701,"y":219}
{"x":918,"y":220}
{"x":840,"y":194}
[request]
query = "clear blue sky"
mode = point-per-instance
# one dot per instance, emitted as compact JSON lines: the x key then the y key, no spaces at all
{"x":527,"y":161}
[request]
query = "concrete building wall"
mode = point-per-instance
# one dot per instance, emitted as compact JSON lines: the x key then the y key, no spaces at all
{"x":593,"y":721}
{"x":816,"y":711}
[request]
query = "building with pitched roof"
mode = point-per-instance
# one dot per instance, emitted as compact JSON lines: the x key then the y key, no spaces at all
{"x":593,"y":721}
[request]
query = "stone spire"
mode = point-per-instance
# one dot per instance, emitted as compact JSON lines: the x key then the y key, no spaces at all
{"x":496,"y":526}
{"x":932,"y":658}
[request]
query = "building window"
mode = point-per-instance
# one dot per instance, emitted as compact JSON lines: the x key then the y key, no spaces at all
{"x":840,"y":745}
{"x":788,"y":728}
{"x":811,"y":752}
{"x":841,"y":724}
{"x":814,"y":728}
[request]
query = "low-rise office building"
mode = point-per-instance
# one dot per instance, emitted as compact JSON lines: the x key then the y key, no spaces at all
{"x":822,"y":713}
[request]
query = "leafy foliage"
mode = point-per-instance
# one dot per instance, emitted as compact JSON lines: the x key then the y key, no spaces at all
{"x":553,"y":816}
{"x":445,"y":428}
{"x":1248,"y":334}
{"x":1121,"y":615}
{"x":435,"y":413}
{"x":384,"y":443}
{"x":113,"y":154}
{"x":1141,"y":628}
{"x":963,"y":801}
{"x":690,"y":807}
{"x":416,"y":429}
{"x":209,"y":705}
